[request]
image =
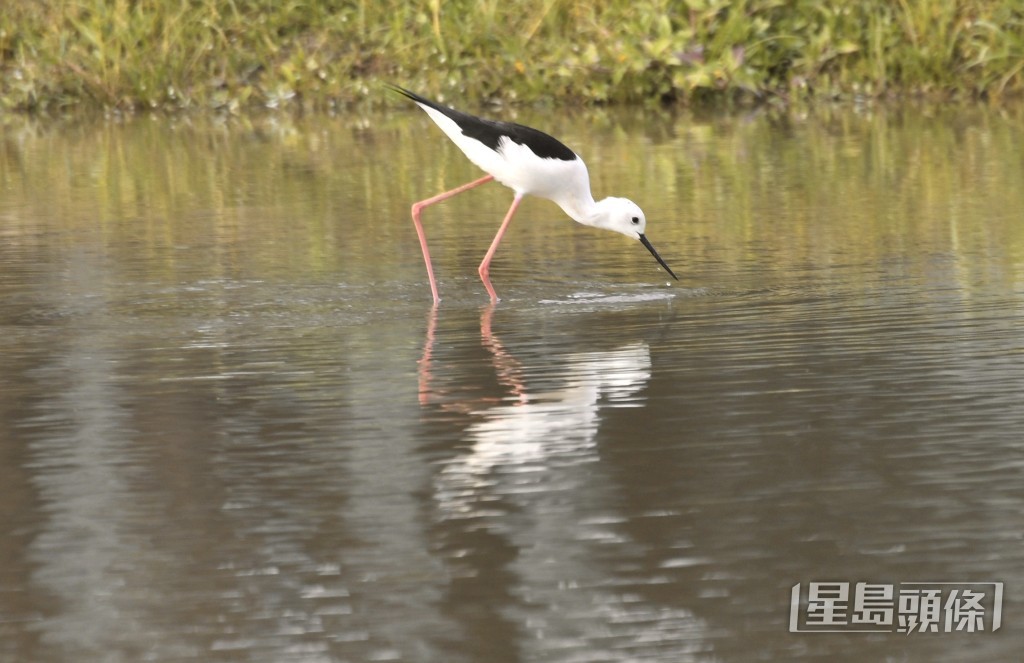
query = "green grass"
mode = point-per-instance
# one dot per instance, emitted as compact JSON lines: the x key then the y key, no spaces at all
{"x":323,"y":54}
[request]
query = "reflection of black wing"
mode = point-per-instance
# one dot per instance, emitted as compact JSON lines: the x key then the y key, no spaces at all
{"x":490,"y":132}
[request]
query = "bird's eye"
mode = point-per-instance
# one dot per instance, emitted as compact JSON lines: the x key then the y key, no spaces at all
{"x":635,"y":220}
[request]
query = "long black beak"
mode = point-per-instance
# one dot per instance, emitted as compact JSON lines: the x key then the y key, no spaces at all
{"x":643,"y":239}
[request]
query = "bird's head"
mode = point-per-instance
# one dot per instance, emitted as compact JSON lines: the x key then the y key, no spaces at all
{"x":624,"y":216}
{"x":621,"y":215}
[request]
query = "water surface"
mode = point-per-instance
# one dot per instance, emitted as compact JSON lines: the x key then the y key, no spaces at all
{"x":232,"y":427}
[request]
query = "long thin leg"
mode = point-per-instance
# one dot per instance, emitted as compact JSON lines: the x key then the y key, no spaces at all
{"x":418,"y":207}
{"x":485,"y":266}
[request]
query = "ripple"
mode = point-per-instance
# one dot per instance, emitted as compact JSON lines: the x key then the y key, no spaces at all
{"x":612,"y":299}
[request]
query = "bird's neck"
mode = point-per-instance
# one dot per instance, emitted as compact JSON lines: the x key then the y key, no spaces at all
{"x":581,"y":207}
{"x":589,"y":212}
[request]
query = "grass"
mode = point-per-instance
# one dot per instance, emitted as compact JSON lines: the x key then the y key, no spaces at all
{"x":320,"y":54}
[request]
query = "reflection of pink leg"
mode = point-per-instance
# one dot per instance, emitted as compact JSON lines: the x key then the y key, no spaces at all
{"x":428,"y":352}
{"x":485,"y":266}
{"x":417,"y":207}
{"x":508,"y":370}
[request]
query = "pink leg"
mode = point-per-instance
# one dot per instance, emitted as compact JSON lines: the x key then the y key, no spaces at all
{"x":485,"y":266}
{"x":417,"y":207}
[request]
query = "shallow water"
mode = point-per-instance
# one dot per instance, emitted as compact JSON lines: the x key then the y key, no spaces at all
{"x":233,"y":428}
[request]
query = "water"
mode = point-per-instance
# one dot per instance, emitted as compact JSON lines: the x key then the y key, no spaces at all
{"x":233,"y":429}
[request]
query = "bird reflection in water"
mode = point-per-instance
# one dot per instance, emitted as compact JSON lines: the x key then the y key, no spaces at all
{"x":525,"y":512}
{"x":526,"y":429}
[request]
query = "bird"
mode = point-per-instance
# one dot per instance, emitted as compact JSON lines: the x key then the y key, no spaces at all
{"x":530,"y":162}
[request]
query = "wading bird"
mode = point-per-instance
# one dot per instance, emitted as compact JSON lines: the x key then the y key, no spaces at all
{"x":527,"y":161}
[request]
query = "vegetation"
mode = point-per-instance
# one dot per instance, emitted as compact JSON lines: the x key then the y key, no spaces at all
{"x":233,"y":54}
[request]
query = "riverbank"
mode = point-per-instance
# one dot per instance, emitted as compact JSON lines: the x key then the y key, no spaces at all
{"x":322,"y":55}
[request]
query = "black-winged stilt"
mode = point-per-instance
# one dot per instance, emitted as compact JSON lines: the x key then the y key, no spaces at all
{"x":527,"y":161}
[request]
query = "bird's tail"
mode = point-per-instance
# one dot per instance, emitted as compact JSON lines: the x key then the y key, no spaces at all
{"x":422,"y":101}
{"x":407,"y":93}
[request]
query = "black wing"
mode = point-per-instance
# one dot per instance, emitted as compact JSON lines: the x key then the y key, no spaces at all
{"x":489,"y":132}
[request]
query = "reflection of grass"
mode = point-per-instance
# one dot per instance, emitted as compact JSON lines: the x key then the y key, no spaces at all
{"x":321,"y":53}
{"x":290,"y":195}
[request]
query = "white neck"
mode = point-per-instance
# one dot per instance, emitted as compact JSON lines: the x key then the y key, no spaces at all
{"x":597,"y":214}
{"x":582,"y":208}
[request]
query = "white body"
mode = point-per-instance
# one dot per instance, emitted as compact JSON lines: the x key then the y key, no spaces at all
{"x":567,"y":183}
